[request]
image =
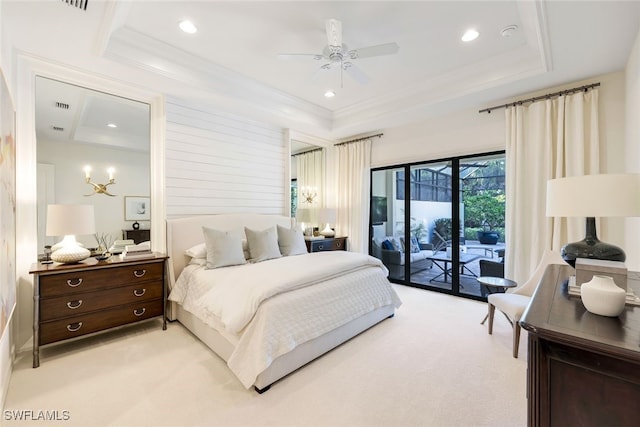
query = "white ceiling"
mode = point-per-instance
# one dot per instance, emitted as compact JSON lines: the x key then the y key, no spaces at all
{"x":232,"y":59}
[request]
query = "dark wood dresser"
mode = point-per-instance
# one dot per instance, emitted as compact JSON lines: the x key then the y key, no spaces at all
{"x":583,"y":369}
{"x":327,"y":244}
{"x":71,"y":300}
{"x":138,"y":236}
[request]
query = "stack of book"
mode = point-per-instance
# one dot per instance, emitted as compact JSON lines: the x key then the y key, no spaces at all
{"x":119,"y":245}
{"x":143,"y":250}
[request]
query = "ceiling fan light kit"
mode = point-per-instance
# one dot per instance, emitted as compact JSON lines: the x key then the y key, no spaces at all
{"x":339,"y":55}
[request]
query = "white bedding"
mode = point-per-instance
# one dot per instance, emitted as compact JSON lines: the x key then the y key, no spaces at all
{"x":264,"y":327}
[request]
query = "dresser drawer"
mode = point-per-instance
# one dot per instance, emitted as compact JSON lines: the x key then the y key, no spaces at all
{"x":84,"y":302}
{"x":98,"y":278}
{"x":76,"y":326}
{"x":329,"y":245}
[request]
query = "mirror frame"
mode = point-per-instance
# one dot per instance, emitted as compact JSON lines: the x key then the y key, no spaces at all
{"x":28,"y":67}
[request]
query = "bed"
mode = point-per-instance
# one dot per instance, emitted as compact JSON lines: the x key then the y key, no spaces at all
{"x":268,"y":317}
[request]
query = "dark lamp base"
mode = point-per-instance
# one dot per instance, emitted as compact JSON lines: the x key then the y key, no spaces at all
{"x":590,"y":249}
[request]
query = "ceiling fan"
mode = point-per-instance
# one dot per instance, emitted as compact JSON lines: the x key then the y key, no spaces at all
{"x":338,"y":54}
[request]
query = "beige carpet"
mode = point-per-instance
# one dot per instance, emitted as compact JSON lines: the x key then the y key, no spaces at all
{"x":433,"y":364}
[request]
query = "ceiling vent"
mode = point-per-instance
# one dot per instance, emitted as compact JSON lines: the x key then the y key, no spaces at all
{"x":62,"y":105}
{"x":80,"y":4}
{"x":58,"y":128}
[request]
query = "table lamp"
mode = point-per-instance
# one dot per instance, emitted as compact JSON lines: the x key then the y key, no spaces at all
{"x":303,"y":216}
{"x":592,"y":196}
{"x":69,"y":221}
{"x":327,"y":216}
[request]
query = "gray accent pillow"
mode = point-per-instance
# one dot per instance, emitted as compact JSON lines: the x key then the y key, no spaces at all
{"x":263,"y":245}
{"x":291,"y":242}
{"x":224,"y":248}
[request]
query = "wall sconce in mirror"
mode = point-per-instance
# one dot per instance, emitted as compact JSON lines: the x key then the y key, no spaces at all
{"x":99,"y":188}
{"x":308,"y":194}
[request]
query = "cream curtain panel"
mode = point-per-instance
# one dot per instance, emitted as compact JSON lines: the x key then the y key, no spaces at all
{"x":354,"y":162}
{"x":547,"y":139}
{"x":310,"y":175}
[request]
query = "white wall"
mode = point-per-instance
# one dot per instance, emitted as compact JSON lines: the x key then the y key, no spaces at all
{"x":221,"y":163}
{"x":632,"y":150}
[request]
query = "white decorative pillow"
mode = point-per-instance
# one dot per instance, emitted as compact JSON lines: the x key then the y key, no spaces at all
{"x":291,"y":241}
{"x":263,"y":245}
{"x":197,"y":251}
{"x":224,"y":248}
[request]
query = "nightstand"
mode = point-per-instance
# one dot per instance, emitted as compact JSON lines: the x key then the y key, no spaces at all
{"x":137,"y":236}
{"x":327,"y":244}
{"x":71,"y":300}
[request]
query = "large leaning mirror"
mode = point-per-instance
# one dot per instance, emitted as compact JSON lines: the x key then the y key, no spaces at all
{"x":86,"y":135}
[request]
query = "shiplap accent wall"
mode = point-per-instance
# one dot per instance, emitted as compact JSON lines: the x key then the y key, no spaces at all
{"x":217,"y":162}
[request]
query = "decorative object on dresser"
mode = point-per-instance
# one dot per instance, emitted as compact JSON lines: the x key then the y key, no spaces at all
{"x":142,"y":250}
{"x":593,"y":196}
{"x":583,"y":369}
{"x":79,"y":299}
{"x":99,"y":188}
{"x":327,"y":244}
{"x":138,"y":236}
{"x":328,"y":217}
{"x":69,"y":221}
{"x":602,"y":296}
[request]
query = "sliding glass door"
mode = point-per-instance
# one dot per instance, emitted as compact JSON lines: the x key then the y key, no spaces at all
{"x":427,"y":219}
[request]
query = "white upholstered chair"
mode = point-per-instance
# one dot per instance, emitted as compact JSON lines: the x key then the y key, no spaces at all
{"x":513,"y":302}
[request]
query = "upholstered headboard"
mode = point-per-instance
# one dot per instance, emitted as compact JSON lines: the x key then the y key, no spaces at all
{"x":183,"y":233}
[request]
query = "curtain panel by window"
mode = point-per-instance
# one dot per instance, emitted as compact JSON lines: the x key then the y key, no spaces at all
{"x":310,"y":174}
{"x":354,"y":162}
{"x":547,"y":139}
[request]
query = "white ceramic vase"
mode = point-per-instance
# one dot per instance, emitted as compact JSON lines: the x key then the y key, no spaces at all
{"x":602,"y":296}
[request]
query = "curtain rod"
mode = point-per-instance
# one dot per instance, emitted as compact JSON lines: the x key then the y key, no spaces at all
{"x":305,"y":152}
{"x":358,"y":139}
{"x":537,"y":98}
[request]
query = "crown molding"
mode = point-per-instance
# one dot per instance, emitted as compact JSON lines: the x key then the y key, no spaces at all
{"x":217,"y":84}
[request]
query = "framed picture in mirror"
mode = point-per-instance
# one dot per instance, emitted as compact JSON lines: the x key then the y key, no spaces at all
{"x":137,"y":208}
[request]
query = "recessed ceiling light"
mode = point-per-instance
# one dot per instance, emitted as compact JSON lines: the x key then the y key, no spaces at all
{"x":470,"y":35}
{"x":112,"y":125}
{"x":188,"y":27}
{"x":329,"y":94}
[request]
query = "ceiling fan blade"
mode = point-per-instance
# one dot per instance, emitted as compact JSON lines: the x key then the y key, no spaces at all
{"x":299,"y":56}
{"x":334,"y":32}
{"x":368,"y":52}
{"x":321,"y":71}
{"x":355,"y":73}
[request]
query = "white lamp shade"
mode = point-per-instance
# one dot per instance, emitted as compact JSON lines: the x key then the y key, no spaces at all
{"x":602,"y":195}
{"x":63,"y":220}
{"x":327,"y":216}
{"x":303,"y":215}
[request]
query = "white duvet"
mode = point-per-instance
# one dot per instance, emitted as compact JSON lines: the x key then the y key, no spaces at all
{"x":240,"y":301}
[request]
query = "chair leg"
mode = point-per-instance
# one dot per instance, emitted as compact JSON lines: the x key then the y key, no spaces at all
{"x":492,"y":310}
{"x":516,"y":338}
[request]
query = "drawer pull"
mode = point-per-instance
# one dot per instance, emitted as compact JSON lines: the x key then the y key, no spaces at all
{"x":338,"y":244}
{"x":138,"y":292}
{"x":139,"y":312}
{"x":139,"y":273}
{"x":320,"y":247}
{"x":74,"y":327}
{"x":74,"y":304}
{"x":74,"y":282}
